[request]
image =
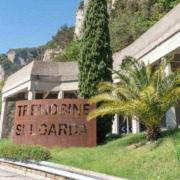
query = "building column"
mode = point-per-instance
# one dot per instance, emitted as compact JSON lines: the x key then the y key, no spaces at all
{"x":135,"y":126}
{"x":3,"y":117}
{"x":115,"y":126}
{"x":171,"y":122}
{"x":31,"y":94}
{"x":127,"y":124}
{"x":61,"y":95}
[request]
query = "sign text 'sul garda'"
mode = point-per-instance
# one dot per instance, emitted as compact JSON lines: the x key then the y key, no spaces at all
{"x":54,"y":123}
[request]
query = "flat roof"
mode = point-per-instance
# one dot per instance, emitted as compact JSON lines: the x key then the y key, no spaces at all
{"x":62,"y":71}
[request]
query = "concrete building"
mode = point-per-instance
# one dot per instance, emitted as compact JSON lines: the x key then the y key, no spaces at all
{"x":40,"y":80}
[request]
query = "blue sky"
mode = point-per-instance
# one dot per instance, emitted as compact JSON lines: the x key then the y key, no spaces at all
{"x":30,"y":23}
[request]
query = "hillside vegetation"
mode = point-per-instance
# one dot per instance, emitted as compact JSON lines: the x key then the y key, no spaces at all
{"x":62,"y":38}
{"x":131,"y":18}
{"x":29,"y":54}
{"x":7,"y":65}
{"x":127,"y":21}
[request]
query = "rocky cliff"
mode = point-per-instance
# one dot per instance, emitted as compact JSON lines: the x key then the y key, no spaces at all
{"x":51,"y":54}
{"x":81,"y":12}
{"x":25,"y":55}
{"x":2,"y":73}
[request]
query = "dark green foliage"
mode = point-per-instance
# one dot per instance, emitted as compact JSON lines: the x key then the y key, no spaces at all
{"x":95,"y":57}
{"x":81,"y":5}
{"x":7,"y":65}
{"x":8,"y":125}
{"x":70,"y":53}
{"x":24,"y":152}
{"x":131,"y":18}
{"x":62,"y":38}
{"x":104,"y":127}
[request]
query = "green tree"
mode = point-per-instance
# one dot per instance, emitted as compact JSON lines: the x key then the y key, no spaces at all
{"x":70,"y":53}
{"x":62,"y":38}
{"x":95,"y":57}
{"x":141,"y":92}
{"x":8,"y":66}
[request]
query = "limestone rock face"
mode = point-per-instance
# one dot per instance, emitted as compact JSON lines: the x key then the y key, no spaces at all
{"x":16,"y":59}
{"x":11,"y":56}
{"x":50,"y":54}
{"x":2,"y":73}
{"x":113,"y":2}
{"x":80,"y":15}
{"x":79,"y":22}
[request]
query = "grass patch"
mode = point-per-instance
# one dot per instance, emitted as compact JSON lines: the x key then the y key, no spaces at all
{"x":23,"y":152}
{"x":129,"y":156}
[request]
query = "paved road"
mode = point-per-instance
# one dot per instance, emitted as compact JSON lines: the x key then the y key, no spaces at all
{"x":5,"y":175}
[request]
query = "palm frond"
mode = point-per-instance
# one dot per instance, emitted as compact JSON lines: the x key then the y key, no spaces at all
{"x":140,"y":92}
{"x":107,"y":108}
{"x":105,"y":97}
{"x":170,"y":98}
{"x":105,"y":87}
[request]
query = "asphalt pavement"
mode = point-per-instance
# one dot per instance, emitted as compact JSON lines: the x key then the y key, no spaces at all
{"x":5,"y":175}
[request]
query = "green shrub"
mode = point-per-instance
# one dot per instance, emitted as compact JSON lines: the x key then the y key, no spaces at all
{"x":24,"y":152}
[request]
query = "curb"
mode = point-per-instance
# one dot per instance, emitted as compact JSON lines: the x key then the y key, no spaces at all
{"x":50,"y":171}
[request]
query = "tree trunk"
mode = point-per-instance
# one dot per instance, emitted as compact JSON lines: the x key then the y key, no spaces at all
{"x":153,"y":133}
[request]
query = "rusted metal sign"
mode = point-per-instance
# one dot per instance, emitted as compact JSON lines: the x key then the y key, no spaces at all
{"x":54,"y":122}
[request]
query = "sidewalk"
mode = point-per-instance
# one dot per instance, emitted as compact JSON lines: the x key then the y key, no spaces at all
{"x":49,"y":171}
{"x":5,"y":175}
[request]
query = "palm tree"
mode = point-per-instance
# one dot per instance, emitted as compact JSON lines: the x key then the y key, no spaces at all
{"x":142,"y":92}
